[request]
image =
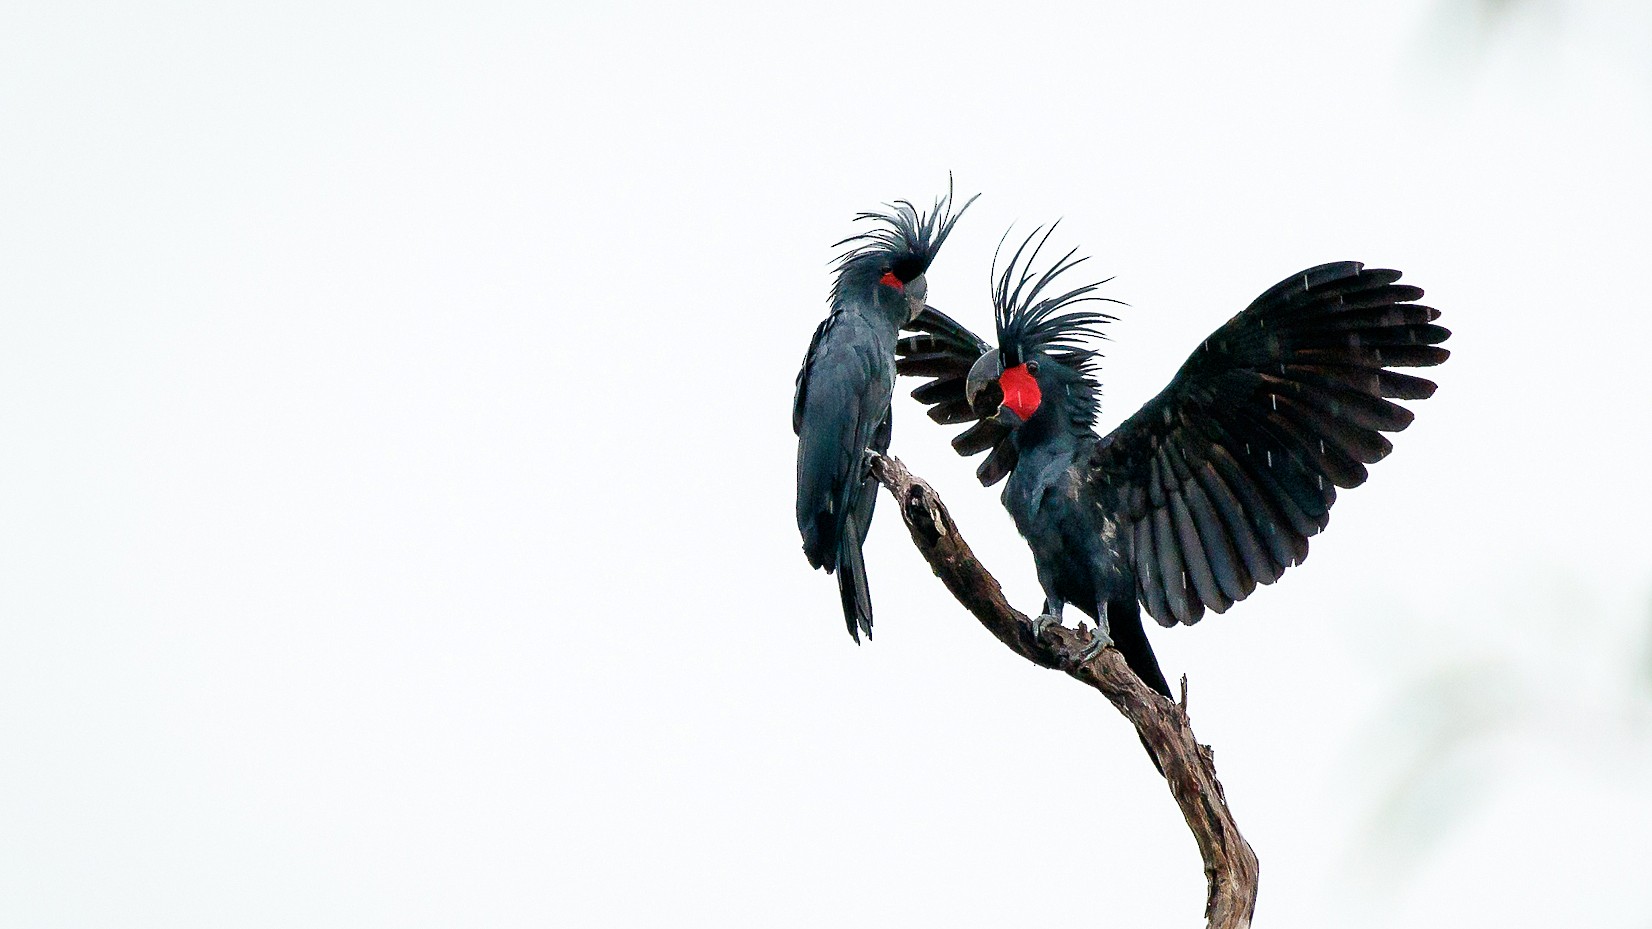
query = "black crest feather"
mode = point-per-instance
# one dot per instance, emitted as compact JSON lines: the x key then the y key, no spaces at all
{"x":1033,"y":320}
{"x":905,"y":240}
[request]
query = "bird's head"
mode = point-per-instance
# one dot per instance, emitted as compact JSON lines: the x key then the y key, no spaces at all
{"x":886,"y":265}
{"x":1006,"y":395}
{"x":1041,"y":364}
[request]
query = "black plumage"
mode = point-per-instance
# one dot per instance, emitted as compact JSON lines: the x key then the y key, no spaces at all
{"x":1215,"y":485}
{"x":841,"y":405}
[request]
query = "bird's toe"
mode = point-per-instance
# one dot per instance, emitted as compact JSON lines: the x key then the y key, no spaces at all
{"x":1043,"y":622}
{"x":1098,"y":642}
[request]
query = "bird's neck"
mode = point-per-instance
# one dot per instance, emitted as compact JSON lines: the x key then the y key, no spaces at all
{"x":1043,"y":451}
{"x":1051,"y":432}
{"x":1040,"y":462}
{"x":872,"y":307}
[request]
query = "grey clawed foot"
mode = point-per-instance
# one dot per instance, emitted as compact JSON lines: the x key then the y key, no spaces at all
{"x":1098,"y":641}
{"x":1043,"y":622}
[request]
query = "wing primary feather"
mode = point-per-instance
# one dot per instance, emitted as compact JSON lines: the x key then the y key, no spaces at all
{"x":1171,"y":570}
{"x":1250,"y":561}
{"x":1266,"y":516}
{"x":1301,"y":282}
{"x":1274,"y":460}
{"x":1411,"y":356}
{"x":928,"y":364}
{"x":1222,"y":561}
{"x":1202,"y":580}
{"x":1246,"y":465}
{"x":979,"y":437}
{"x":940,"y":390}
{"x":1321,"y":436}
{"x":1268,"y":481}
{"x":1370,"y":313}
{"x":1362,"y":410}
{"x":952,"y":411}
{"x":1404,"y":386}
{"x":1354,"y":446}
{"x":1148,"y":580}
{"x":996,"y":466}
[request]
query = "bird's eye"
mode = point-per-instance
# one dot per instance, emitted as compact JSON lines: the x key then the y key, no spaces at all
{"x":1032,"y":367}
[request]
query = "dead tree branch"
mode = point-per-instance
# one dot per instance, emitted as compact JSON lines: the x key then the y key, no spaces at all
{"x":1189,"y":769}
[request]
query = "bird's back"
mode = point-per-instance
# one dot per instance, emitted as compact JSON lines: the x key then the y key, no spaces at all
{"x":842,"y":399}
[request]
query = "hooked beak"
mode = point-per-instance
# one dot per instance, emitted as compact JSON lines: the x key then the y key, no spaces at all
{"x":916,"y":292}
{"x":986,"y":370}
{"x":984,"y":373}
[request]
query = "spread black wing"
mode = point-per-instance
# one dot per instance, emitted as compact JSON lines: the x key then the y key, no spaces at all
{"x":1221,"y":478}
{"x":944,"y":351}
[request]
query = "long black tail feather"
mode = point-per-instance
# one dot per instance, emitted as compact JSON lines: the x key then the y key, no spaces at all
{"x":851,"y":584}
{"x":1124,"y":621}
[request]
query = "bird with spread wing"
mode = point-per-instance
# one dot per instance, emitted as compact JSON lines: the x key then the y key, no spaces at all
{"x":1215,"y":485}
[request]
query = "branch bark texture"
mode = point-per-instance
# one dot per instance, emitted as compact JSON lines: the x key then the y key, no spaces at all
{"x":1188,"y":767}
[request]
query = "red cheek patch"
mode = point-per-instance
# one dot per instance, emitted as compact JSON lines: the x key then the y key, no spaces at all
{"x":1021,"y":392}
{"x":890,"y":280}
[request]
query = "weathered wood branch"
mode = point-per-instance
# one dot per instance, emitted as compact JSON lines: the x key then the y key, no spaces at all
{"x":1188,"y":767}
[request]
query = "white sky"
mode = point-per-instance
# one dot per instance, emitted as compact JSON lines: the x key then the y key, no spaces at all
{"x":395,"y":492}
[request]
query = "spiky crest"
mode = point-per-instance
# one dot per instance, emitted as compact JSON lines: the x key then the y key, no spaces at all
{"x":1031,"y":324}
{"x":906,"y":242}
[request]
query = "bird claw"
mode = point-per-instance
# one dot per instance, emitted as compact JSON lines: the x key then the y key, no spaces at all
{"x":1098,"y":641}
{"x":1043,"y":622}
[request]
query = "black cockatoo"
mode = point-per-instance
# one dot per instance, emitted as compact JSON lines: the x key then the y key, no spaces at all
{"x":841,"y":407}
{"x":1213,"y":486}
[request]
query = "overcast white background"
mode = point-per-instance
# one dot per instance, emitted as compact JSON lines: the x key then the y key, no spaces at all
{"x":396,"y":474}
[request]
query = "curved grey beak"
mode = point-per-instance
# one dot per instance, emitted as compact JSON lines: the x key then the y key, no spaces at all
{"x":986,"y":370}
{"x":916,"y":292}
